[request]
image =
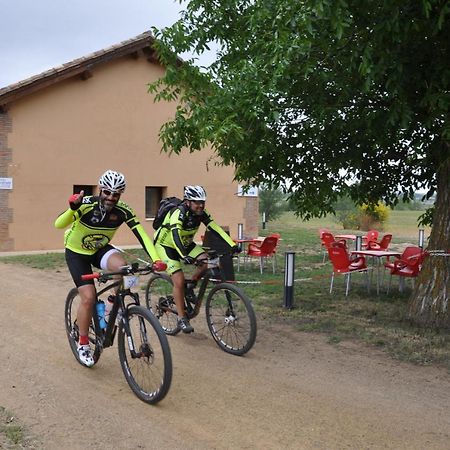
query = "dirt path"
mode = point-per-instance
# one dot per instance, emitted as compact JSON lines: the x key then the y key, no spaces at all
{"x":292,"y":391}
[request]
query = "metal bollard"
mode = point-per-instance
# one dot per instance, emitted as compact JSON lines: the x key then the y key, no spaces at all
{"x":421,"y":238}
{"x":240,"y":234}
{"x":263,"y":220}
{"x":289,"y":269}
{"x":358,"y":245}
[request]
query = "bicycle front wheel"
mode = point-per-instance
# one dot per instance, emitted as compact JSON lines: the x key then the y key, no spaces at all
{"x":159,"y":299}
{"x":231,"y":319}
{"x":73,"y":301}
{"x":144,"y":355}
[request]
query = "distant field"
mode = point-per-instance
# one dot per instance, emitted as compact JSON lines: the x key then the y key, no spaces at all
{"x":402,"y":225}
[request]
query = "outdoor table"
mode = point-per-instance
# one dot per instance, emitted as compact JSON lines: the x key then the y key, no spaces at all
{"x":376,"y":254}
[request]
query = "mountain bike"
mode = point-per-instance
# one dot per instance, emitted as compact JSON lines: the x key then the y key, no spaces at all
{"x":229,"y":312}
{"x":143,"y":347}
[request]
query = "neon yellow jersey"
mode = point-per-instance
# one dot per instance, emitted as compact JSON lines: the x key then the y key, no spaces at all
{"x":180,"y":226}
{"x":91,"y":228}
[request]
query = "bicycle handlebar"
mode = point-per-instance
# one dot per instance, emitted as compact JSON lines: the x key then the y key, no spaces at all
{"x":90,"y":276}
{"x":125,"y":270}
{"x":212,"y":255}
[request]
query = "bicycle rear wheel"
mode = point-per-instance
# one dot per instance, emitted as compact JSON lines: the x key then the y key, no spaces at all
{"x":159,"y":299}
{"x":231,"y":319}
{"x":73,"y":301}
{"x":144,"y":355}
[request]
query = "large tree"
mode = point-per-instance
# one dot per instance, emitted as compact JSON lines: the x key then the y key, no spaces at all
{"x":324,"y":98}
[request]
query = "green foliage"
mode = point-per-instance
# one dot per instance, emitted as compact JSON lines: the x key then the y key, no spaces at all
{"x":362,"y":217}
{"x":321,"y":98}
{"x":346,"y":213}
{"x":272,"y":202}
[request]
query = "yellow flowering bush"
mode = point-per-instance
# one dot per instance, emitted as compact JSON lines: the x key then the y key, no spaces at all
{"x":373,"y":217}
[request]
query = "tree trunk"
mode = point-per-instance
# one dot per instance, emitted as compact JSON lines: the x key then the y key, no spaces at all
{"x":429,"y":301}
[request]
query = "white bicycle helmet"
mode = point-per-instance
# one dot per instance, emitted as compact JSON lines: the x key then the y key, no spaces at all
{"x":195,"y":193}
{"x":112,"y":181}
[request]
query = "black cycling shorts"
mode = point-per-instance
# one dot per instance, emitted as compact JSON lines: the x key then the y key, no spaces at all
{"x":80,"y":264}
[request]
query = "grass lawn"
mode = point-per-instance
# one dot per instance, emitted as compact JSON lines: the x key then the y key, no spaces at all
{"x":378,"y":320}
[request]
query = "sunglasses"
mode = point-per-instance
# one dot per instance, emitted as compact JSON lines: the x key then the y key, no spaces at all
{"x":108,"y":193}
{"x":198,"y":202}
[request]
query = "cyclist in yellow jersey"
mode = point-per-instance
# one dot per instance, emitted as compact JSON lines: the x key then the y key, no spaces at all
{"x":93,"y":222}
{"x":174,"y":242}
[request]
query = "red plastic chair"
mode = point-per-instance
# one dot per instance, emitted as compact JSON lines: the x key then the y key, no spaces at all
{"x":266,"y":250}
{"x":327,"y":240}
{"x":408,"y":265}
{"x":278,"y":236}
{"x":382,"y":245}
{"x":372,"y":235}
{"x":342,"y":264}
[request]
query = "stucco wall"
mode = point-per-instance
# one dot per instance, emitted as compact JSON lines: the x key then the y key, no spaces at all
{"x":71,"y":132}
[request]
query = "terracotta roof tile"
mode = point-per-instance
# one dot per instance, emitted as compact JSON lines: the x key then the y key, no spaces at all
{"x":72,"y":68}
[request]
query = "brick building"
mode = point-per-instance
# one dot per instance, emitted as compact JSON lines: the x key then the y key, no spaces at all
{"x":62,"y":128}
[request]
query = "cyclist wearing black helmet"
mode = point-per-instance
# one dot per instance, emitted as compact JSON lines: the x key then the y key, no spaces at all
{"x":94,"y":220}
{"x":174,"y":242}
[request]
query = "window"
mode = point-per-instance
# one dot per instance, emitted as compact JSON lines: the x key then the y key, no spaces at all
{"x":88,"y":190}
{"x":153,"y":195}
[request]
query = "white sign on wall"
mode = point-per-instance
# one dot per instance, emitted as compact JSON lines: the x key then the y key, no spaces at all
{"x":252,"y":191}
{"x":6,"y":183}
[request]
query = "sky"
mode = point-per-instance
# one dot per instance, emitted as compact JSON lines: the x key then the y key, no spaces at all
{"x":36,"y":35}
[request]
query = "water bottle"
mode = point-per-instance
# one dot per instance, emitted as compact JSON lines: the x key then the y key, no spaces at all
{"x":100,"y":305}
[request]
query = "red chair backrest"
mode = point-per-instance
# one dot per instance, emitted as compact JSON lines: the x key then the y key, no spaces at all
{"x":382,"y":245}
{"x":327,"y":238}
{"x":339,"y":258}
{"x":409,"y":252}
{"x":385,"y":241}
{"x":268,"y":245}
{"x":413,"y":257}
{"x":323,"y":230}
{"x":267,"y":248}
{"x":340,"y":243}
{"x":372,"y":235}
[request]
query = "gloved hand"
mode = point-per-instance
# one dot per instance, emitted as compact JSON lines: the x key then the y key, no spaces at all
{"x":159,"y":266}
{"x":236,"y":249}
{"x":75,"y":200}
{"x":189,"y":259}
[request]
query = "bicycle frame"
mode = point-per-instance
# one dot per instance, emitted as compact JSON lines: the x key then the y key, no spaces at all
{"x":107,"y":335}
{"x":212,"y":273}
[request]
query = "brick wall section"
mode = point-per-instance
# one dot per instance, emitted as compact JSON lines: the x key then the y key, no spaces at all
{"x":6,"y":213}
{"x":251,"y":217}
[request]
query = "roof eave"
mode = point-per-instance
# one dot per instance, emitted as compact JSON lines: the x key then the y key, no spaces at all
{"x":79,"y":67}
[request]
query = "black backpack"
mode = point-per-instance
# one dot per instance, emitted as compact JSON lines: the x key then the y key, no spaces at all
{"x":165,"y":205}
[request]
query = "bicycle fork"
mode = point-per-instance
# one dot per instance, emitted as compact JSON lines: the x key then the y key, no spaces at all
{"x":230,"y":316}
{"x":144,"y":349}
